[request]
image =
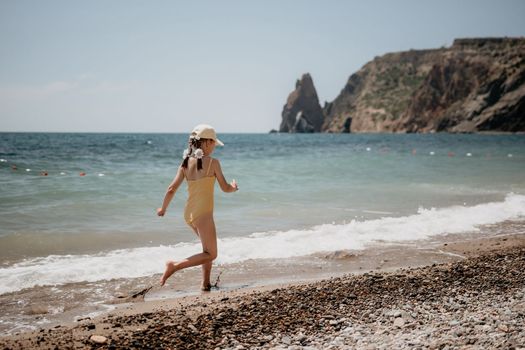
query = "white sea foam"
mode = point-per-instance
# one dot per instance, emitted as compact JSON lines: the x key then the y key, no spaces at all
{"x":129,"y":263}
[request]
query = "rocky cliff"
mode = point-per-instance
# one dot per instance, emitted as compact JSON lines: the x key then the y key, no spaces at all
{"x":474,"y":85}
{"x":302,"y":112}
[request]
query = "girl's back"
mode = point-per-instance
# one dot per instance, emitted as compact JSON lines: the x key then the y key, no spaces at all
{"x":192,"y":173}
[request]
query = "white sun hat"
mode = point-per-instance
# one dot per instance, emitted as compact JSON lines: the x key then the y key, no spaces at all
{"x":206,"y":131}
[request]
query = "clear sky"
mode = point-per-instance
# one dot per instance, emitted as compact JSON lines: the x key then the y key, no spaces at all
{"x":164,"y":66}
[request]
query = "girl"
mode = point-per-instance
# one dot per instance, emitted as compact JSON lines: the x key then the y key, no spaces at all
{"x":200,"y":172}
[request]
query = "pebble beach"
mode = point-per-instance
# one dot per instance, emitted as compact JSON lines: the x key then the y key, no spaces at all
{"x":474,"y":303}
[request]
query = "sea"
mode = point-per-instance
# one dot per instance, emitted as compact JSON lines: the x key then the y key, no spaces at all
{"x":78,"y":223}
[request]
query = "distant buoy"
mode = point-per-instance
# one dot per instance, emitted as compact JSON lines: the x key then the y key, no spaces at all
{"x":469,"y":154}
{"x":82,"y":174}
{"x":28,"y":169}
{"x":101,"y":175}
{"x":368,"y":149}
{"x":432,"y":153}
{"x":3,"y":160}
{"x":509,"y":155}
{"x":62,"y":173}
{"x":149,"y":142}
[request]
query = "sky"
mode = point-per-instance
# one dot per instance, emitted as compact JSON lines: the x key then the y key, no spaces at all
{"x":165,"y":66}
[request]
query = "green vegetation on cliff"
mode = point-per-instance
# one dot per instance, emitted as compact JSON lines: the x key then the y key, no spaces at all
{"x":475,"y":85}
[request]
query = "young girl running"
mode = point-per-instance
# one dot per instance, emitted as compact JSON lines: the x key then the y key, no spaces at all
{"x":200,"y":172}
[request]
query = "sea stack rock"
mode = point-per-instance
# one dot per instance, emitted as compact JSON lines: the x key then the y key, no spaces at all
{"x":302,"y":112}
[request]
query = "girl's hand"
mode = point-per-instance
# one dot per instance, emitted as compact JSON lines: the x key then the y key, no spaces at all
{"x":234,"y":185}
{"x":160,"y":212}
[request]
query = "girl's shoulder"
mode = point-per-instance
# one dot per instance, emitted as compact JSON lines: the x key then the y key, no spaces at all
{"x":214,"y":160}
{"x":214,"y":164}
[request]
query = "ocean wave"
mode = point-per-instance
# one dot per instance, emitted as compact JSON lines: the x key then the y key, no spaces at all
{"x":355,"y":235}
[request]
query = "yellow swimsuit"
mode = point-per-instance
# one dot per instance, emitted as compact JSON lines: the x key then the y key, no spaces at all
{"x":200,"y":197}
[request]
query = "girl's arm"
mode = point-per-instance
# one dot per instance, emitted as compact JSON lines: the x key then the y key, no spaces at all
{"x":225,"y":186}
{"x":170,"y":193}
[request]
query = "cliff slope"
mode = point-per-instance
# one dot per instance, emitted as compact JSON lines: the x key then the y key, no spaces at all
{"x":474,"y":85}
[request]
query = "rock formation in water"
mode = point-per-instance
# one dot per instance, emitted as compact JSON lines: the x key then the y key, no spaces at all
{"x":302,"y":112}
{"x":474,"y":85}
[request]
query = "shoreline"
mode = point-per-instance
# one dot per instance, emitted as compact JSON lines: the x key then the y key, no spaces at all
{"x":36,"y":308}
{"x":167,"y":320}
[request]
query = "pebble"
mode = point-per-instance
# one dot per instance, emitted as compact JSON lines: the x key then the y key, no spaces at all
{"x":399,"y":322}
{"x":286,"y":340}
{"x":98,"y":339}
{"x":300,"y":337}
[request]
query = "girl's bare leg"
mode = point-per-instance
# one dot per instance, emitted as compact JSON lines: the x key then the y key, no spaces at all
{"x":206,"y":275}
{"x":205,"y":228}
{"x":206,"y":270}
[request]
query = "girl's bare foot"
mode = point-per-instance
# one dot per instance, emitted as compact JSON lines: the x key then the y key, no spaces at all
{"x":206,"y":287}
{"x":170,"y":269}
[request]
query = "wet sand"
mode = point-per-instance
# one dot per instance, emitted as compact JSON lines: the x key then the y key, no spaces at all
{"x":413,"y":288}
